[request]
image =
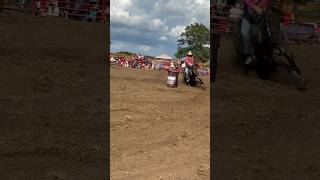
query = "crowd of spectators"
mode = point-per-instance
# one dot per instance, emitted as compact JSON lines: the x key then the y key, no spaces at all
{"x":89,"y":10}
{"x":141,"y":62}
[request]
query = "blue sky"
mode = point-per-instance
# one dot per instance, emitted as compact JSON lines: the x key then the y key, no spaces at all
{"x":152,"y":27}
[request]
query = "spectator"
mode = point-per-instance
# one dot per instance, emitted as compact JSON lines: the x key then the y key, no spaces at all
{"x":92,"y":13}
{"x":38,"y":7}
{"x":179,"y":63}
{"x":287,"y":16}
{"x":172,"y":65}
{"x":50,"y":8}
{"x":235,"y":12}
{"x":112,"y":60}
{"x":183,"y":65}
{"x":317,"y":30}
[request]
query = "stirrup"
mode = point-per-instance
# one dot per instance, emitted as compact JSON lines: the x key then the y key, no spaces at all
{"x":278,"y":49}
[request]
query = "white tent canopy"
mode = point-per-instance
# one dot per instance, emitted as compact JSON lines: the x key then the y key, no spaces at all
{"x":163,"y":56}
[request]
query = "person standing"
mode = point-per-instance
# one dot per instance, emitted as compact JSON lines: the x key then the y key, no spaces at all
{"x":235,"y":12}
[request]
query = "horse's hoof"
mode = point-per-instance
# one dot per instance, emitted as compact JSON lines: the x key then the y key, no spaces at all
{"x":302,"y":87}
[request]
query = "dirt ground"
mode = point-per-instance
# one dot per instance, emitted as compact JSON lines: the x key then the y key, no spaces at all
{"x":264,"y":129}
{"x":158,"y":132}
{"x":52,"y":76}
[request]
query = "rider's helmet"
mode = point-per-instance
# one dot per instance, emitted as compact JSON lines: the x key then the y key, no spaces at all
{"x":189,"y":53}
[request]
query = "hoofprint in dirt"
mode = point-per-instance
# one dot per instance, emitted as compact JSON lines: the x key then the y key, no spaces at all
{"x":157,"y":132}
{"x":264,"y":129}
{"x":51,"y":112}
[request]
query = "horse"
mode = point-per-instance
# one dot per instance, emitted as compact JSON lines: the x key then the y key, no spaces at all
{"x":271,"y":48}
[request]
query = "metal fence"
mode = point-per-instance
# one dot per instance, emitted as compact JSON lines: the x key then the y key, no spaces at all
{"x":89,"y":10}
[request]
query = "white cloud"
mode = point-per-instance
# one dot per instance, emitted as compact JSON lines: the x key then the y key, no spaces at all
{"x":158,"y":25}
{"x":120,"y":12}
{"x":117,"y":46}
{"x":123,"y":4}
{"x":120,"y":8}
{"x":163,"y":38}
{"x":176,"y":31}
{"x":151,"y":26}
{"x":193,"y":20}
{"x":205,"y":3}
{"x":144,"y":48}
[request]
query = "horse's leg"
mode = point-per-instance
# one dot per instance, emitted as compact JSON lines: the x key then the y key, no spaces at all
{"x":287,"y":52}
{"x":274,"y":20}
{"x":289,"y":56}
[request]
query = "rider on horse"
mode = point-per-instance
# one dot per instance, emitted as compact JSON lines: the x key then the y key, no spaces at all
{"x":252,"y":8}
{"x":190,"y":61}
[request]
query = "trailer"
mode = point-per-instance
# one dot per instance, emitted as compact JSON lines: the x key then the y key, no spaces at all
{"x":302,"y":33}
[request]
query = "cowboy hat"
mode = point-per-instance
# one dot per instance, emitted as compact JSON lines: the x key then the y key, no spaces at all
{"x":189,"y":53}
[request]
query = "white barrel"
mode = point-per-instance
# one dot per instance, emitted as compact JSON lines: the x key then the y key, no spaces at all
{"x":172,"y":80}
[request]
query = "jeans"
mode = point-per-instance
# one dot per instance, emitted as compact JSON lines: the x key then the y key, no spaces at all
{"x":186,"y":70}
{"x":246,"y":37}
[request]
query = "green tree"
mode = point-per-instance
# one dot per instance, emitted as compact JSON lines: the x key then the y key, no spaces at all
{"x":126,"y":53}
{"x":195,"y":38}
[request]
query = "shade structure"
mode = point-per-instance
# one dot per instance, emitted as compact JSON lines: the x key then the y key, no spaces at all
{"x":164,"y":56}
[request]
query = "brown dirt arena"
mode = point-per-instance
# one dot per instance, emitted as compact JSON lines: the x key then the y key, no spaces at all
{"x":52,"y":120}
{"x":158,"y":132}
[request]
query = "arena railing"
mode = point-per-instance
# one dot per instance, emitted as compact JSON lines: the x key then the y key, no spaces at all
{"x":222,"y":23}
{"x":74,"y":10}
{"x":96,"y":10}
{"x":13,"y":5}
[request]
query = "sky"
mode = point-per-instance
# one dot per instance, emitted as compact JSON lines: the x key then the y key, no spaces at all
{"x":152,"y":27}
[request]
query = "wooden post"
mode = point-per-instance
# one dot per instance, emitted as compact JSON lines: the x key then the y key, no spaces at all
{"x":103,"y":10}
{"x":215,"y":44}
{"x":33,"y":7}
{"x":1,"y":5}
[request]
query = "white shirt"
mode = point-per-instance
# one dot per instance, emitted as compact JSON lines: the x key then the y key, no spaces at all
{"x":235,"y":13}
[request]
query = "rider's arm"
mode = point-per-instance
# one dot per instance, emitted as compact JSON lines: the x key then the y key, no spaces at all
{"x":187,"y":61}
